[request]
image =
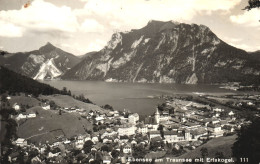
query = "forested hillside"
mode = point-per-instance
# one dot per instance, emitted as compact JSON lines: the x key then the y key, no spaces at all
{"x":13,"y":82}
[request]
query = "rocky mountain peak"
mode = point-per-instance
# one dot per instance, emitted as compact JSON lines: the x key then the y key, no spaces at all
{"x":48,"y":47}
{"x":167,"y":52}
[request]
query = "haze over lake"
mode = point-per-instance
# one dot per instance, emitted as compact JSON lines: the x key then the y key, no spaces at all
{"x":136,"y":97}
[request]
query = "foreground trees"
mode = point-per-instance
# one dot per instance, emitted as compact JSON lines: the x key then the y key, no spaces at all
{"x":248,"y":143}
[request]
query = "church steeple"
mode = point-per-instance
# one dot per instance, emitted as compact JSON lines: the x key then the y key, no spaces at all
{"x":157,"y":116}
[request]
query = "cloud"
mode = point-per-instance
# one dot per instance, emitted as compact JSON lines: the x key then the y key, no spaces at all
{"x":95,"y":45}
{"x":136,"y":13}
{"x":10,"y":30}
{"x":248,"y":18}
{"x":80,"y":48}
{"x":245,"y":46}
{"x":40,"y":16}
{"x":91,"y":25}
{"x":232,"y":39}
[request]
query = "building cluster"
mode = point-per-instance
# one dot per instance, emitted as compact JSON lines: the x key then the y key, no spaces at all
{"x":121,"y":132}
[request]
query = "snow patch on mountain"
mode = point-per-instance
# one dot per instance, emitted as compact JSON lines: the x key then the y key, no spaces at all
{"x":208,"y":51}
{"x":146,"y":40}
{"x":220,"y":64}
{"x":137,"y":42}
{"x":192,"y":79}
{"x":104,"y":67}
{"x":37,"y":59}
{"x":48,"y":68}
{"x":124,"y":59}
{"x":137,"y":72}
{"x":215,"y":41}
{"x":116,"y":39}
{"x":161,"y":42}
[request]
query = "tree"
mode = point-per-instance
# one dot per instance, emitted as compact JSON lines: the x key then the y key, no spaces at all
{"x":105,"y":148}
{"x":160,"y":128}
{"x":139,"y":151}
{"x":204,"y":152}
{"x":252,"y":4}
{"x":64,"y":90}
{"x":88,"y":146}
{"x":53,"y":104}
{"x":109,"y":107}
{"x":115,"y":154}
{"x":248,"y":143}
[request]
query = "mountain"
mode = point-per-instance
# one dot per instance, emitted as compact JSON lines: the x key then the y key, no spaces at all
{"x":47,"y":62}
{"x":14,"y":82}
{"x":167,"y":52}
{"x":87,"y":54}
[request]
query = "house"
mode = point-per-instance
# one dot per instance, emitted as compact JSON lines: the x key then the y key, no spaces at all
{"x":171,"y":136}
{"x":127,"y":148}
{"x":218,"y":110}
{"x":67,"y":142}
{"x":215,"y":130}
{"x":197,"y":133}
{"x":156,"y":139}
{"x":21,"y":142}
{"x":36,"y":160}
{"x":13,"y":157}
{"x":228,"y":129}
{"x":106,"y":159}
{"x":16,"y":106}
{"x":176,"y":146}
{"x":108,"y":134}
{"x":79,"y":143}
{"x":133,"y":118}
{"x":154,"y":134}
{"x":99,"y":119}
{"x":153,"y":127}
{"x":46,"y":106}
{"x":116,"y":113}
{"x":107,"y":140}
{"x":21,"y":116}
{"x":231,"y":113}
{"x":126,"y":130}
{"x":50,"y":155}
{"x":31,"y":115}
{"x":141,"y":128}
{"x":95,"y":139}
{"x":87,"y":137}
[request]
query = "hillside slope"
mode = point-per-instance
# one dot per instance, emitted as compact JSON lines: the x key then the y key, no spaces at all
{"x":46,"y":63}
{"x":14,"y":82}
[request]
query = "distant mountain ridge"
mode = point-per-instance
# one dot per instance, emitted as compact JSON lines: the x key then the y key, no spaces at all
{"x":47,"y":62}
{"x":168,"y":52}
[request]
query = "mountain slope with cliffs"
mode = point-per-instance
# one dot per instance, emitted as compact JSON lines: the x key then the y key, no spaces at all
{"x":46,"y":63}
{"x":168,"y":52}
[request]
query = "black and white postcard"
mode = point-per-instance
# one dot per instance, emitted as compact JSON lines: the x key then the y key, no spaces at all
{"x":129,"y":81}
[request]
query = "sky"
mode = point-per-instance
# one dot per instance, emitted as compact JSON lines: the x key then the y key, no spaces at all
{"x":81,"y":26}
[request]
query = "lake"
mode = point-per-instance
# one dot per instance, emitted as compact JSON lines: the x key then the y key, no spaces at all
{"x":135,"y":97}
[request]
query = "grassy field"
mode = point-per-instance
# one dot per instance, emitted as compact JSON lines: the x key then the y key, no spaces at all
{"x":24,"y":100}
{"x":67,"y":102}
{"x":40,"y":129}
{"x":221,"y":144}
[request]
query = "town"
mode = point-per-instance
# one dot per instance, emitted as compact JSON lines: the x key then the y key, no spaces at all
{"x":177,"y":126}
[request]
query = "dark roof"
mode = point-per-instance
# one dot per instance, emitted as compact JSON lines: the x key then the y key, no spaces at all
{"x":170,"y":133}
{"x":155,"y":132}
